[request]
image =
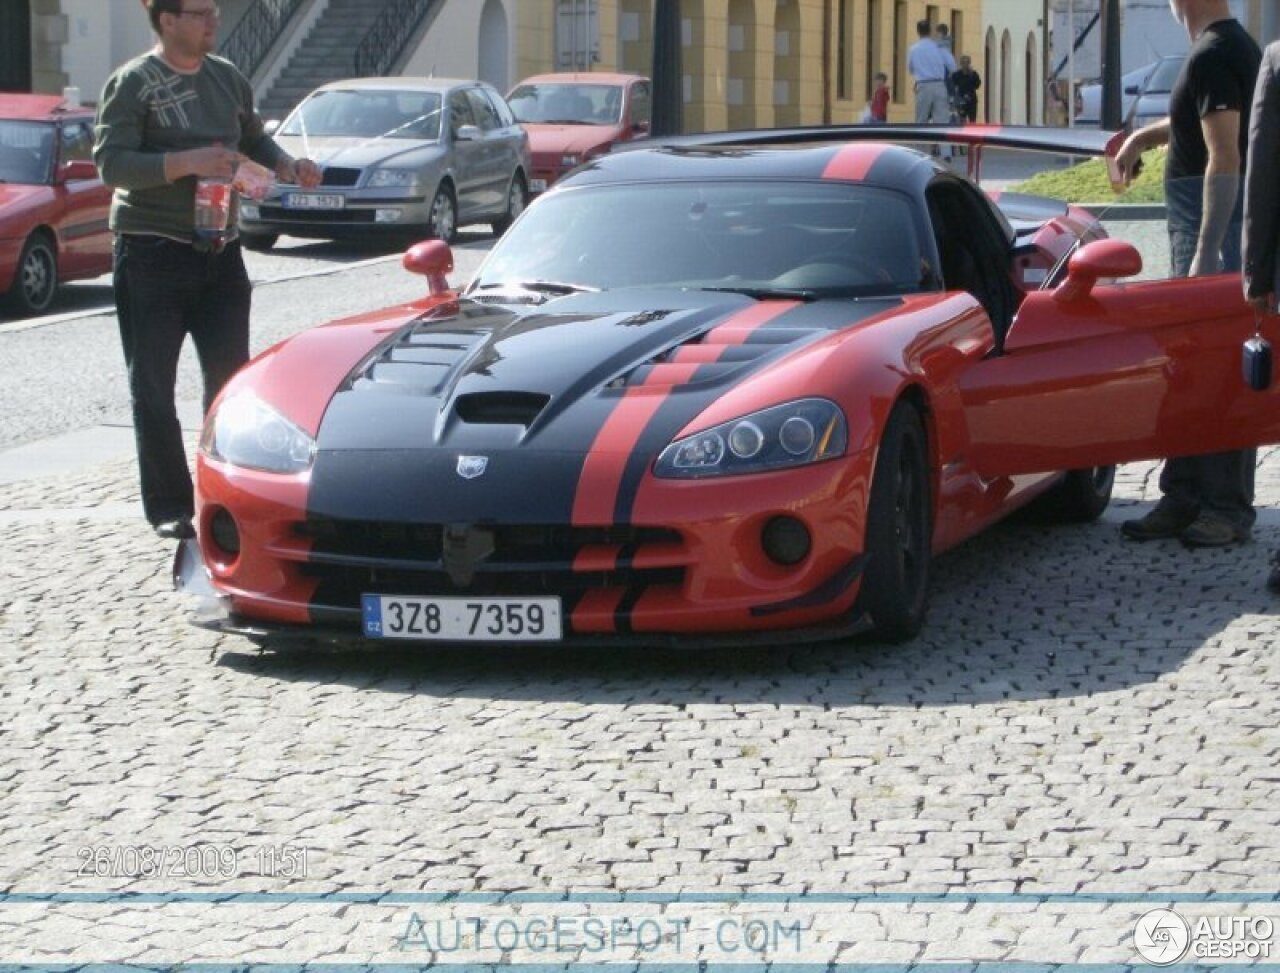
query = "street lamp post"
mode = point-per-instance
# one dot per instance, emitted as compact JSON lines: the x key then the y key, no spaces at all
{"x":1111,"y":65}
{"x":668,"y":94}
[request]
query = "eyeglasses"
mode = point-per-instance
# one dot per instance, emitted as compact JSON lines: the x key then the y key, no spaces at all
{"x":211,"y":13}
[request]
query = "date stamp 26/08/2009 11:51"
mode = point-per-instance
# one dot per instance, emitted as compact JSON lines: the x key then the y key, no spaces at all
{"x":190,"y":861}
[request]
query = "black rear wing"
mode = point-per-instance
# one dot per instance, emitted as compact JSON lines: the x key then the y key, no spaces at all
{"x":1030,"y":138}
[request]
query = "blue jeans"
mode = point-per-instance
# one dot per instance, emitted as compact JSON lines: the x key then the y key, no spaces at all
{"x":1220,"y":484}
{"x":164,"y":291}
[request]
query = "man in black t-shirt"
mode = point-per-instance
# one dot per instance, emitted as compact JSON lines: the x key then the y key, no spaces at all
{"x":1207,"y":500}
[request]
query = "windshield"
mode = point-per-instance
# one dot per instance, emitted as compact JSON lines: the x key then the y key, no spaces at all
{"x":1165,"y":74}
{"x":26,"y":151}
{"x":567,"y":104}
{"x":357,"y":113}
{"x":826,"y":239}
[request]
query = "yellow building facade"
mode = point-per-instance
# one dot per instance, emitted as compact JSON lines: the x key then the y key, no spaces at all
{"x":757,"y":63}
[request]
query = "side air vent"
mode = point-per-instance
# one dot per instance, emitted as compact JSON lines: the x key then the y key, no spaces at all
{"x":501,"y":408}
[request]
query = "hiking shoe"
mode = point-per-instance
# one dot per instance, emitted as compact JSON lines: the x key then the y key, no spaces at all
{"x":1211,"y":531}
{"x":1157,"y":525}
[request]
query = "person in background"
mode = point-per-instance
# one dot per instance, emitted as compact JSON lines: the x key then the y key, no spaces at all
{"x":167,"y":119}
{"x":1260,"y":246}
{"x":965,"y":83}
{"x":942,"y":37}
{"x":878,"y":106}
{"x":930,"y":66}
{"x":1207,"y":501}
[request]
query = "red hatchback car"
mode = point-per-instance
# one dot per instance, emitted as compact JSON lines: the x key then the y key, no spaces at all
{"x":53,"y":206}
{"x":573,"y":118}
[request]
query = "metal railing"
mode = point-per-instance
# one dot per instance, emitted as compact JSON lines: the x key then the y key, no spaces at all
{"x":385,"y":40}
{"x":262,"y":24}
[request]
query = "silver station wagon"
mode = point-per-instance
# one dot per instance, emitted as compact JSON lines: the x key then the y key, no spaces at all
{"x":400,"y":156}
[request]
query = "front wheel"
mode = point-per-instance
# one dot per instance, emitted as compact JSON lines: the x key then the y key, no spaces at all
{"x":517,"y":198}
{"x":899,"y":529}
{"x":36,"y":278}
{"x":443,"y":221}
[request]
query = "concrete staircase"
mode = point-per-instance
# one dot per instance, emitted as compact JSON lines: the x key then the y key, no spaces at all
{"x":326,"y":54}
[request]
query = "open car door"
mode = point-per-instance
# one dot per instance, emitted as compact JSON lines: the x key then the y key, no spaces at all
{"x":1096,"y":374}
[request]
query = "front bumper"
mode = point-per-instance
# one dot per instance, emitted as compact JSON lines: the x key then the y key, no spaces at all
{"x":689,"y":568}
{"x":358,"y":216}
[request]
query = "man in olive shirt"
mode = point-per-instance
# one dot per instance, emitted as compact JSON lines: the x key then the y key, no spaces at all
{"x":166,"y":119}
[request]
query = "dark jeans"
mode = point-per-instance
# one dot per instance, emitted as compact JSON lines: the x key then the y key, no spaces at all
{"x":1215,"y":483}
{"x":164,"y":291}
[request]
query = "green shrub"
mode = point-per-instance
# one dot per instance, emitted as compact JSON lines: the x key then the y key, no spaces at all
{"x":1088,"y":183}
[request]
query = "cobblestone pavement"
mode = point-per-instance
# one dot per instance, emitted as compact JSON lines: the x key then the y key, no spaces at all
{"x":1082,"y":717}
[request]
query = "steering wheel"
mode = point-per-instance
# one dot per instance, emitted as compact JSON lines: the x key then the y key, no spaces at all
{"x":867,"y":270}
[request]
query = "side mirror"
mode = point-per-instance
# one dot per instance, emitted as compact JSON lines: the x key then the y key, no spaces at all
{"x":76,"y":170}
{"x":1099,"y":260}
{"x":468,"y":133}
{"x":271,"y":126}
{"x":433,"y":259}
{"x":641,"y":127}
{"x":1131,"y":89}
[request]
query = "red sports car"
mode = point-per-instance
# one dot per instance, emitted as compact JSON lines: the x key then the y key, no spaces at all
{"x":53,"y":206}
{"x":719,"y":389}
{"x":573,"y":118}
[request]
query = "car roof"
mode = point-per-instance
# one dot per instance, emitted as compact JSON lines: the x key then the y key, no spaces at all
{"x":400,"y":84}
{"x":37,"y":107}
{"x":583,"y":77}
{"x":870,"y":163}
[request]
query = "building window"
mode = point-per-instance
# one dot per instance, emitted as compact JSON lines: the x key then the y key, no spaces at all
{"x":843,"y":66}
{"x":899,"y":49}
{"x":874,"y":48}
{"x":577,"y":35}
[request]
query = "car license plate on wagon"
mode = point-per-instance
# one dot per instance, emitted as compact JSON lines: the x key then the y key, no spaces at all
{"x":462,"y":619}
{"x":314,"y":201}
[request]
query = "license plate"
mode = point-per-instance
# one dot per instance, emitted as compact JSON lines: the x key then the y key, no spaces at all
{"x":462,"y":619}
{"x":314,"y":201}
{"x":537,"y":185}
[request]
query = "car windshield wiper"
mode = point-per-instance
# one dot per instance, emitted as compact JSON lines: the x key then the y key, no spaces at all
{"x":768,"y":293}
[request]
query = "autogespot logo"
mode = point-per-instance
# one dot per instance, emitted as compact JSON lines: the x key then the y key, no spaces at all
{"x":1161,"y":937}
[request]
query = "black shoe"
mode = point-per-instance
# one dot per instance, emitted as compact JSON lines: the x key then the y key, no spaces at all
{"x":1211,"y":531}
{"x":1157,"y":525}
{"x":1273,"y":579}
{"x":178,"y":529}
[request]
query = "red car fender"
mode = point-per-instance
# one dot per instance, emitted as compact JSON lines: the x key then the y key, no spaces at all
{"x":298,"y":376}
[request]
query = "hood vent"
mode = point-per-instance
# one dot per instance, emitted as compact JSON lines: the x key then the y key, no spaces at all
{"x":422,"y":359}
{"x":501,"y":408}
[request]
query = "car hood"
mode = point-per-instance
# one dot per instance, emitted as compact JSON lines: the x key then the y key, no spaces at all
{"x":362,"y":152}
{"x":533,"y":391}
{"x":16,"y":198}
{"x":578,"y":139}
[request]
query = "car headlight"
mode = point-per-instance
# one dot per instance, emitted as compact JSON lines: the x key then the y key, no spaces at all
{"x":792,"y":434}
{"x":393,"y":178}
{"x":247,"y":432}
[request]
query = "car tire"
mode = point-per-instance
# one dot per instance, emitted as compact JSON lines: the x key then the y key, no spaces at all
{"x":258,"y":242}
{"x":442,"y":223}
{"x":1080,"y":498}
{"x":36,"y":277}
{"x":899,"y":540}
{"x":517,"y":199}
